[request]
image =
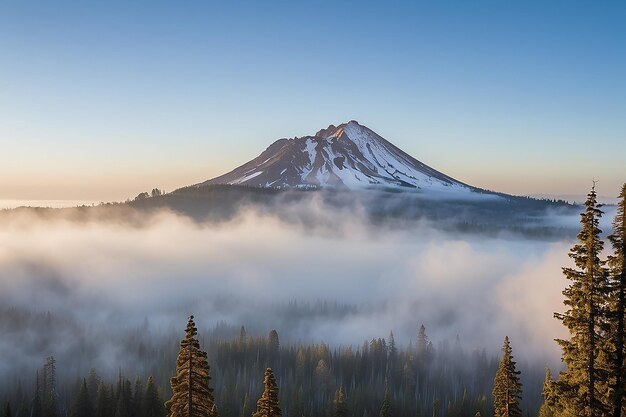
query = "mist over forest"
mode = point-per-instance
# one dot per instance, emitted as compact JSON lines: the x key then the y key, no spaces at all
{"x":101,"y":287}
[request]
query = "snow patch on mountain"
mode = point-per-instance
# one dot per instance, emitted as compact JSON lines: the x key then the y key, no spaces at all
{"x":346,"y":156}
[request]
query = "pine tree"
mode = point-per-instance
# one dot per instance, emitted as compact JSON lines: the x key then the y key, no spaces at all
{"x":582,"y":384}
{"x":36,"y":410}
{"x":152,"y":405}
{"x":242,"y":336}
{"x":50,"y":406}
{"x":268,"y":405}
{"x":273,"y":348}
{"x":422,"y":341}
{"x":341,"y":410}
{"x":191,"y":393}
{"x":547,"y":407}
{"x":104,"y":402}
{"x":7,"y":410}
{"x":385,"y":408}
{"x":137,"y":397}
{"x":617,"y":265}
{"x":93,"y":381}
{"x":124,"y":399}
{"x":82,"y":404}
{"x":507,"y":390}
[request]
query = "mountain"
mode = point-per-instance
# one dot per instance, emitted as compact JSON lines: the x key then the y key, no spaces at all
{"x":346,"y":156}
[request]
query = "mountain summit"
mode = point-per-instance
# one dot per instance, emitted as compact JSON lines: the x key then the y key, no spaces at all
{"x":346,"y":156}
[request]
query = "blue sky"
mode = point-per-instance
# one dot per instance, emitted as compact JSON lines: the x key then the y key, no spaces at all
{"x":101,"y":100}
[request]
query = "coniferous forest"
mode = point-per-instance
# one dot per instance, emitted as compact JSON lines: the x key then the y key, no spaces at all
{"x":230,"y":373}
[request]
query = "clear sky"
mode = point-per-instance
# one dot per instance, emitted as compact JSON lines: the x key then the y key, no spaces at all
{"x":103,"y":99}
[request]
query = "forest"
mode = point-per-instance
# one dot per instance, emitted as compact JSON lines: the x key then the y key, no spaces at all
{"x":230,"y":373}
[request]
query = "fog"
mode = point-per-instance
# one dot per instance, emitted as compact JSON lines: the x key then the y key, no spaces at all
{"x":339,"y":280}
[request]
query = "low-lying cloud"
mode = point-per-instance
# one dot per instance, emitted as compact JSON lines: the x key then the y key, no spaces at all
{"x":107,"y":275}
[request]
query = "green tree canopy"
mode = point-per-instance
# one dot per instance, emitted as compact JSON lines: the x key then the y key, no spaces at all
{"x":191,"y":394}
{"x":507,"y":389}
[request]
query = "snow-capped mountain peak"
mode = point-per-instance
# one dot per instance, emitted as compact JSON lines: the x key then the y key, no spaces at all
{"x":349,"y":155}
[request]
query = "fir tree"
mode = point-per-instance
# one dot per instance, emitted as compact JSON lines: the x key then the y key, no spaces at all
{"x":50,"y":406}
{"x":385,"y":408}
{"x":137,"y":397}
{"x":191,"y":393}
{"x":82,"y":404}
{"x":36,"y":410}
{"x":104,"y":402}
{"x":242,"y":336}
{"x":582,"y":385}
{"x":507,"y":390}
{"x":93,"y":381}
{"x":341,"y":410}
{"x":273,"y":348}
{"x":152,"y":405}
{"x":422,"y":341}
{"x":617,"y":265}
{"x":547,"y":407}
{"x":124,"y":399}
{"x":268,"y":405}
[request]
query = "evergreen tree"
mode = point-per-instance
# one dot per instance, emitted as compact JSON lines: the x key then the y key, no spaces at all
{"x":617,"y":265}
{"x":124,"y":399}
{"x":152,"y":405}
{"x":341,"y":410}
{"x":50,"y":406}
{"x":137,"y":397}
{"x":385,"y":408}
{"x":104,"y":402}
{"x":7,"y":410}
{"x":242,"y":336}
{"x":268,"y":405}
{"x":82,"y":404}
{"x":547,"y":407}
{"x":36,"y":410}
{"x":273,"y":348}
{"x":507,"y":390}
{"x":422,"y":341}
{"x":582,"y":385}
{"x":191,"y":393}
{"x":93,"y":381}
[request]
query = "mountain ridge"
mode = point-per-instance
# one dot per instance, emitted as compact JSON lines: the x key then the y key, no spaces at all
{"x":348,"y":155}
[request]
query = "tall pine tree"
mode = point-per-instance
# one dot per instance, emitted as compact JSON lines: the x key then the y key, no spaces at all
{"x":507,"y":390}
{"x":268,"y":405}
{"x":152,"y":405}
{"x":582,"y":385}
{"x":341,"y":410}
{"x":385,"y":408}
{"x":191,"y":394}
{"x":82,"y":404}
{"x":547,"y":407}
{"x":617,"y":308}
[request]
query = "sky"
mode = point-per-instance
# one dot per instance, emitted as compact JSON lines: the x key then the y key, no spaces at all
{"x":102,"y":100}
